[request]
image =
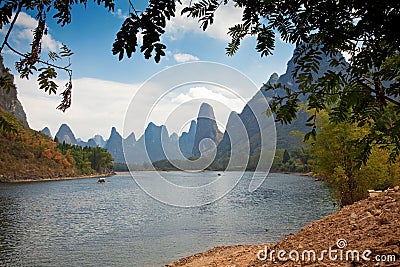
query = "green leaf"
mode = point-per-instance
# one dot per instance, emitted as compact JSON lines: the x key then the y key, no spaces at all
{"x":53,"y":56}
{"x":45,"y":80}
{"x":7,"y":125}
{"x":65,"y":51}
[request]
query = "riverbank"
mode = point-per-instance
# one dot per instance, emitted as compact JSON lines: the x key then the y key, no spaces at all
{"x":369,"y":227}
{"x":38,"y":179}
{"x":310,"y":174}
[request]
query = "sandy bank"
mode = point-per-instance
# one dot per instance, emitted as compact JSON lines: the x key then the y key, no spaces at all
{"x":369,"y":228}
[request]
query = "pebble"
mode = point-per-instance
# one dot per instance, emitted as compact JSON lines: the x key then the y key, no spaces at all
{"x":369,"y":218}
{"x":376,"y":212}
{"x":353,"y":216}
{"x":368,"y":214}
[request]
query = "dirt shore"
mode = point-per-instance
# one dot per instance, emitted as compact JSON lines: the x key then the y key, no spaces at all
{"x":55,"y":178}
{"x":369,"y":228}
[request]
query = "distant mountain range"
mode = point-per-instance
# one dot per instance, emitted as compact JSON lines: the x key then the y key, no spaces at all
{"x":285,"y":139}
{"x":157,"y":144}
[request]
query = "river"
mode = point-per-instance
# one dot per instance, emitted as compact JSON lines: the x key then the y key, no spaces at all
{"x":82,"y":223}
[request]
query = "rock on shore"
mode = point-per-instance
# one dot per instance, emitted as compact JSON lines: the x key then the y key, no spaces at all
{"x":371,"y":225}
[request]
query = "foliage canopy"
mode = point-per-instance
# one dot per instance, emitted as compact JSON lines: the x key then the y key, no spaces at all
{"x":335,"y":158}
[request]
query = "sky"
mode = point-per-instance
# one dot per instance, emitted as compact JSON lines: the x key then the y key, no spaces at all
{"x":104,"y":87}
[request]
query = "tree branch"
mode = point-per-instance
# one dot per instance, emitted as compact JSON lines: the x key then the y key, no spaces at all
{"x":133,"y":7}
{"x":40,"y":61}
{"x":397,"y":103}
{"x":11,"y":27}
{"x":392,"y":100}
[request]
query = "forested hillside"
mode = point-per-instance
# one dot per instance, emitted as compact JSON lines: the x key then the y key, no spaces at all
{"x":27,"y":154}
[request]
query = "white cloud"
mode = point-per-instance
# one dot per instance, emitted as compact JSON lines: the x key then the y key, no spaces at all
{"x":26,"y":21}
{"x":346,"y":56}
{"x":23,"y":32}
{"x":48,"y":43}
{"x":225,"y":17}
{"x":119,"y":14}
{"x":97,"y":105}
{"x":349,"y":54}
{"x":177,"y":108}
{"x":180,"y":58}
{"x":211,"y":93}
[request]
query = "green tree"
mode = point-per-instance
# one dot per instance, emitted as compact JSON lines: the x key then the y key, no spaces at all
{"x":302,"y":154}
{"x":286,"y":156}
{"x":335,"y":157}
{"x":88,"y":160}
{"x":101,"y":160}
{"x":6,"y":124}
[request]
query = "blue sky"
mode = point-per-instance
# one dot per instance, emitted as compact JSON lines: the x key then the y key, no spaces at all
{"x":103,"y":85}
